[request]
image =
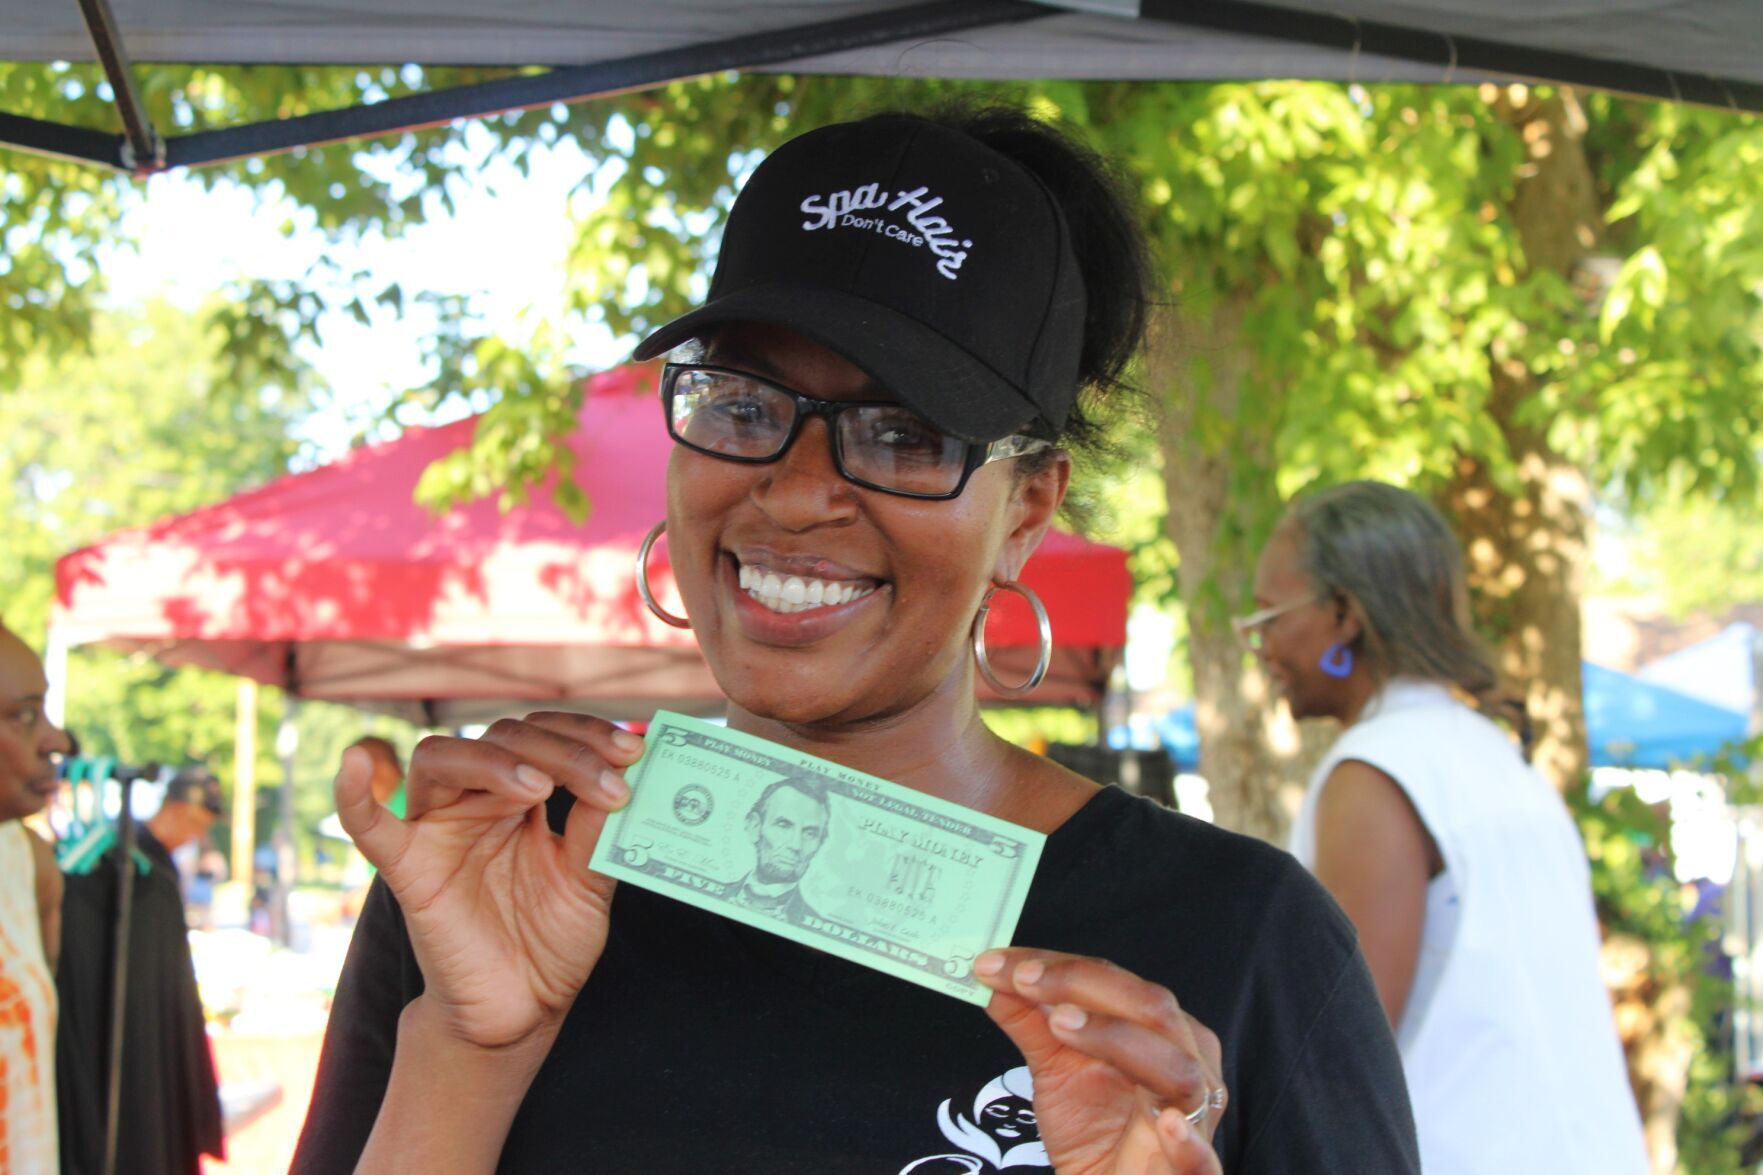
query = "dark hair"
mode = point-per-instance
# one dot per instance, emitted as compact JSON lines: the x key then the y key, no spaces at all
{"x":1106,"y":236}
{"x":814,"y":789}
{"x":197,"y":785}
{"x":1394,"y":561}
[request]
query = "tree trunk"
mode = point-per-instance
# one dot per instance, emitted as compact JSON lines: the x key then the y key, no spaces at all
{"x":1653,"y":1014}
{"x":1527,"y":552}
{"x":1253,"y":755}
{"x":1525,"y":535}
{"x":1526,"y":556}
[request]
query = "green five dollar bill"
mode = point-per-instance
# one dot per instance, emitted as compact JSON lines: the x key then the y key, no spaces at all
{"x":825,"y":856}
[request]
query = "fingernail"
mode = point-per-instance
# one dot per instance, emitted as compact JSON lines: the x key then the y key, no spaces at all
{"x":616,"y":789}
{"x":534,"y":778}
{"x":990,"y":963}
{"x":1176,"y":1123}
{"x":1068,"y":1017}
{"x":1030,"y":972}
{"x":627,"y":742}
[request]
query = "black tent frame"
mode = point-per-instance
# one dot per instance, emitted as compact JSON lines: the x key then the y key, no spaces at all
{"x":140,"y":150}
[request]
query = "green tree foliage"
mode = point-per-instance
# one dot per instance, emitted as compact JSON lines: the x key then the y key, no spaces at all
{"x":151,"y":424}
{"x":57,"y":218}
{"x":1675,"y":370}
{"x":142,"y":428}
{"x":1701,"y":555}
{"x":1672,"y":1003}
{"x":147,"y":425}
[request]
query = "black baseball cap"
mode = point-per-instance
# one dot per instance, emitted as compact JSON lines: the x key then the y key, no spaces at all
{"x":942,"y":268}
{"x":195,"y":785}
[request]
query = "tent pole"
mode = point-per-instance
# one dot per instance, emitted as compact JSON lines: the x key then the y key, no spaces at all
{"x":245,"y":785}
{"x":1755,"y":728}
{"x":581,"y":83}
{"x":287,"y":741}
{"x":55,"y":650}
{"x":143,"y":150}
{"x":60,"y":141}
{"x":119,"y":971}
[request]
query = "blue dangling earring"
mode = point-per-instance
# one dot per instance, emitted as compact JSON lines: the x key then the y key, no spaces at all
{"x":1337,"y":661}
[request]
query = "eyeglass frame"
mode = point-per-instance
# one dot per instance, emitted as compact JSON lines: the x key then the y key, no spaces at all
{"x":1251,"y":629}
{"x":978,"y":452}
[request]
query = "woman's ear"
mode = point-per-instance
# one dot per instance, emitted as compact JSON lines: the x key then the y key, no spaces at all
{"x":1034,"y":501}
{"x":1348,"y":626}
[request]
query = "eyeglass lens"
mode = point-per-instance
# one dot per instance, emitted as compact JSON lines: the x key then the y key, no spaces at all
{"x":885,"y":445}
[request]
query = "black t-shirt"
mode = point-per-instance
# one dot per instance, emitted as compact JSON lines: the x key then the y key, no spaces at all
{"x":702,"y":1045}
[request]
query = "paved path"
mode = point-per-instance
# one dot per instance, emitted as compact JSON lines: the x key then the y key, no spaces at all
{"x":266,"y":1145}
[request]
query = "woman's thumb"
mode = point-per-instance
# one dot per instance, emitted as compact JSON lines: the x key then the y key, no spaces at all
{"x":381,"y":836}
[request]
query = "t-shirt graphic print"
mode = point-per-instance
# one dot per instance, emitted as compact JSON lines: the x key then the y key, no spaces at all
{"x":998,"y":1132}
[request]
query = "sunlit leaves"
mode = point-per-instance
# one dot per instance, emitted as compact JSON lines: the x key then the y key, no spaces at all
{"x":1681,"y":366}
{"x":149,"y":425}
{"x":1642,"y":907}
{"x":1364,"y":237}
{"x":57,"y":217}
{"x":516,"y":442}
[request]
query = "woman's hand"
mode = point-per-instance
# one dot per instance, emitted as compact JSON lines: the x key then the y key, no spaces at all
{"x":1117,"y":1064}
{"x":505,"y":917}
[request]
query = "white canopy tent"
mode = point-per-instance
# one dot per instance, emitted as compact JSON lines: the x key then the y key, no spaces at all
{"x":1703,"y":51}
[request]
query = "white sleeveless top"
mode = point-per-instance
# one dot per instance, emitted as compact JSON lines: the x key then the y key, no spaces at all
{"x":27,"y":1016}
{"x":1507,"y":1039}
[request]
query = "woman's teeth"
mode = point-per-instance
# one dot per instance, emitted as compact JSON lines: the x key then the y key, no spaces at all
{"x":792,"y":593}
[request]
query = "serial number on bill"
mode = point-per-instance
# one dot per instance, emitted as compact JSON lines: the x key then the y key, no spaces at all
{"x":702,"y":765}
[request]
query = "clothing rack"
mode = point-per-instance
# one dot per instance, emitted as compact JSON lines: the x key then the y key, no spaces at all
{"x":119,"y":977}
{"x":91,"y":836}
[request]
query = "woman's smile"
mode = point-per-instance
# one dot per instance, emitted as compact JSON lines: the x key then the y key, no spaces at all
{"x":796,"y":600}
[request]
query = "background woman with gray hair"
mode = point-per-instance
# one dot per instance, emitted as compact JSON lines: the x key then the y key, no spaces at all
{"x":1457,"y":863}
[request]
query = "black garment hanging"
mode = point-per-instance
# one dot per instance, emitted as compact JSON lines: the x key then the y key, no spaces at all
{"x":170,"y":1103}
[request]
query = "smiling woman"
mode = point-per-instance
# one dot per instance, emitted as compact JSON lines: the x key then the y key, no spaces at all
{"x":874,"y":417}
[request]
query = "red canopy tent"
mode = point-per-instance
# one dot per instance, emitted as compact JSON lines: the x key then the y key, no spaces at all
{"x":333,"y":584}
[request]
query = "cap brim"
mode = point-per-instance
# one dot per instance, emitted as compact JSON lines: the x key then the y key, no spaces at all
{"x":930,"y":374}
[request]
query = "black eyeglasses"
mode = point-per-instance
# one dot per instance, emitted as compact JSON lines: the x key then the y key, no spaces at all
{"x":877,"y":444}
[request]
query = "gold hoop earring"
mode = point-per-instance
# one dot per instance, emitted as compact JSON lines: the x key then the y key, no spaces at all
{"x":1046,"y":634}
{"x":649,"y":600}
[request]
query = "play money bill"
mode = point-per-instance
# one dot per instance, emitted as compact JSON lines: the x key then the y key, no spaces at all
{"x":868,"y":870}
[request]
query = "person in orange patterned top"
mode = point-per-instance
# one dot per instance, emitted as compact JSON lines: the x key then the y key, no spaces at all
{"x":29,"y":915}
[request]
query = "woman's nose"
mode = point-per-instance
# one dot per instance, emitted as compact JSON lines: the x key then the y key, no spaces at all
{"x":56,"y":740}
{"x":804,"y":488}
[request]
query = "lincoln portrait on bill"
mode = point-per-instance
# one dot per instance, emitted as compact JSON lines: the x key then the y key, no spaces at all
{"x":788,"y":825}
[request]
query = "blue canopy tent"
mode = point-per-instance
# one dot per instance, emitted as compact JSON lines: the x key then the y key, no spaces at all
{"x":1721,"y":670}
{"x":1174,"y":732}
{"x":1631,"y":722}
